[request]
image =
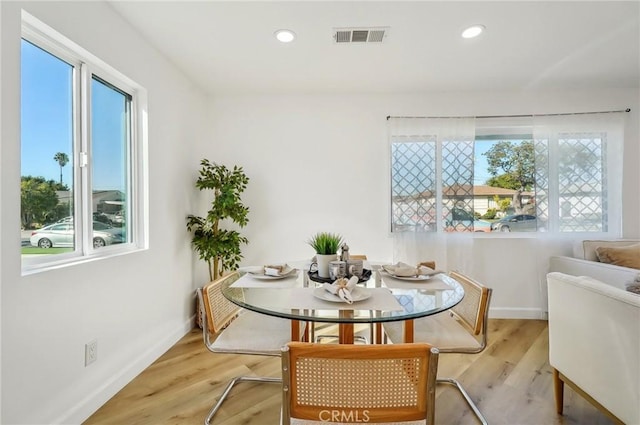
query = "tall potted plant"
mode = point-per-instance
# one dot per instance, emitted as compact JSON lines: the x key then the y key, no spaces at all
{"x":326,"y":246}
{"x":220,"y":248}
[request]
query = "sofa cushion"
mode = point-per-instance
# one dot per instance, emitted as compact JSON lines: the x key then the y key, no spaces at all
{"x":587,"y":248}
{"x":625,"y":256}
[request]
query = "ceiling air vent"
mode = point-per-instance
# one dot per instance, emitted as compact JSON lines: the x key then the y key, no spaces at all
{"x":360,"y":35}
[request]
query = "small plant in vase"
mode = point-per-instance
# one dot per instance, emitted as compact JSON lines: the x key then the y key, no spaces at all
{"x":326,"y":246}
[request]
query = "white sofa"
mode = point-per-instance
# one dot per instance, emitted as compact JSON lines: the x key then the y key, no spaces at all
{"x":585,"y":263}
{"x":594,"y":344}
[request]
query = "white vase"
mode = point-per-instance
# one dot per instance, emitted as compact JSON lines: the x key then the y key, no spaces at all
{"x":323,"y":263}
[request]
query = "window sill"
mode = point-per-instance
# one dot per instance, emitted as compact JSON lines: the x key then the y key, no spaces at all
{"x":30,"y":269}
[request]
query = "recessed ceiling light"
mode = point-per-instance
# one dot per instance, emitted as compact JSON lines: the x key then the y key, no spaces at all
{"x":285,"y":36}
{"x":473,"y":31}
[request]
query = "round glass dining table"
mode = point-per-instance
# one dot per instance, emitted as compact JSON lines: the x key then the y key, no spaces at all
{"x":302,"y":298}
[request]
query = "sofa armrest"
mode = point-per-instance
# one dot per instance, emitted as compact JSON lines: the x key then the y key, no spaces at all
{"x":594,"y":340}
{"x":616,"y":276}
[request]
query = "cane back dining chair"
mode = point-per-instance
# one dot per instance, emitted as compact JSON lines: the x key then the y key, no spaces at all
{"x":227,"y":328}
{"x":380,"y":335}
{"x":462,"y":329}
{"x":348,"y":384}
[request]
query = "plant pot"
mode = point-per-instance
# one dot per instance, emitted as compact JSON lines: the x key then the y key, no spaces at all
{"x":323,"y":263}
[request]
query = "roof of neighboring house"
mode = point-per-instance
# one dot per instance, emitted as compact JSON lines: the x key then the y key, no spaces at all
{"x":98,"y":195}
{"x":108,"y":195}
{"x":484,"y":190}
{"x":63,"y":195}
{"x":462,"y":190}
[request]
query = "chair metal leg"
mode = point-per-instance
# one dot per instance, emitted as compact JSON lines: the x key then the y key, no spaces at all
{"x":466,"y":396}
{"x":230,"y":385}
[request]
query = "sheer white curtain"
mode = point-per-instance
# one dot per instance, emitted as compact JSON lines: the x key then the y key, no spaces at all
{"x":579,"y":173}
{"x":431,"y":176}
{"x":578,"y":183}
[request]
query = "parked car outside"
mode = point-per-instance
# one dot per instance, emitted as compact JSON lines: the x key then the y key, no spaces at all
{"x":97,"y":216}
{"x":68,"y":219}
{"x":117,"y":218}
{"x":61,"y":235}
{"x":481,"y":226}
{"x":460,"y":220}
{"x":101,"y":223}
{"x":457,"y":220}
{"x":116,"y":232}
{"x":516,"y":223}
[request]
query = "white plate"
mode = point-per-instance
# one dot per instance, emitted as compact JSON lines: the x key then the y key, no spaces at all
{"x":422,"y":277}
{"x":358,"y":294}
{"x":258,"y":273}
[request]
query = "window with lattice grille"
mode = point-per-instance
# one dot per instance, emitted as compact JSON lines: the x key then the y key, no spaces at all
{"x":579,"y":200}
{"x":444,"y":185}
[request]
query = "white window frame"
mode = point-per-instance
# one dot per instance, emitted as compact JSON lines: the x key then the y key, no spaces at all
{"x":86,"y":65}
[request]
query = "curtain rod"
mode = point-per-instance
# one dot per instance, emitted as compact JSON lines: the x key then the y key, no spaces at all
{"x":522,"y":116}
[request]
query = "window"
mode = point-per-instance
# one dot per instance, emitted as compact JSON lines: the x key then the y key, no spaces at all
{"x":581,"y":199}
{"x":82,"y":136}
{"x":543,"y":174}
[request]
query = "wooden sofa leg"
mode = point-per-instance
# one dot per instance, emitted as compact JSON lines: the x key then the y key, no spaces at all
{"x":558,"y":390}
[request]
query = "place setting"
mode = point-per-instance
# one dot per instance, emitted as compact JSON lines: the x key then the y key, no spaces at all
{"x":403,"y":275}
{"x":273,"y":272}
{"x":345,"y":294}
{"x":268,"y":276}
{"x":342,"y":290}
{"x":341,"y":283}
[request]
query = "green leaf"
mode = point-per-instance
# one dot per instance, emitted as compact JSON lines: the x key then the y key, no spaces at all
{"x":325,"y":243}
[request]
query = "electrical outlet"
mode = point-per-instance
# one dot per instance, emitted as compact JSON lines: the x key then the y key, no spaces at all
{"x":90,"y":352}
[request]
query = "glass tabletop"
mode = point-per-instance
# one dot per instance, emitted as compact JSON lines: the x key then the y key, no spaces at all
{"x":381,"y":298}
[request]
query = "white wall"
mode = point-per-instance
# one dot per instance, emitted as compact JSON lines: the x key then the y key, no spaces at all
{"x":321,"y":163}
{"x":135,"y":305}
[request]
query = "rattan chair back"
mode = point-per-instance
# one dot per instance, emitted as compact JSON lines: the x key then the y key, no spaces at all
{"x":219,"y":311}
{"x":226,"y":329}
{"x":472,"y":310}
{"x":343,"y":383}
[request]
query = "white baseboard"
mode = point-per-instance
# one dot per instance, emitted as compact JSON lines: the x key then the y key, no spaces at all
{"x":517,"y":313}
{"x":94,"y":400}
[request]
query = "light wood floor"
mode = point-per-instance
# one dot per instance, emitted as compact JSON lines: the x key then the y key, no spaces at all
{"x":510,"y":381}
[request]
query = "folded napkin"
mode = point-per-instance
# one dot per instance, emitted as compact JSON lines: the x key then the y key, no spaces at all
{"x":405,"y":270}
{"x":342,"y":288}
{"x":276,"y":270}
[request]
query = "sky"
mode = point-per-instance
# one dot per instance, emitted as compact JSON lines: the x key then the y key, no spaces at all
{"x":480,"y":173}
{"x":47,"y":127}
